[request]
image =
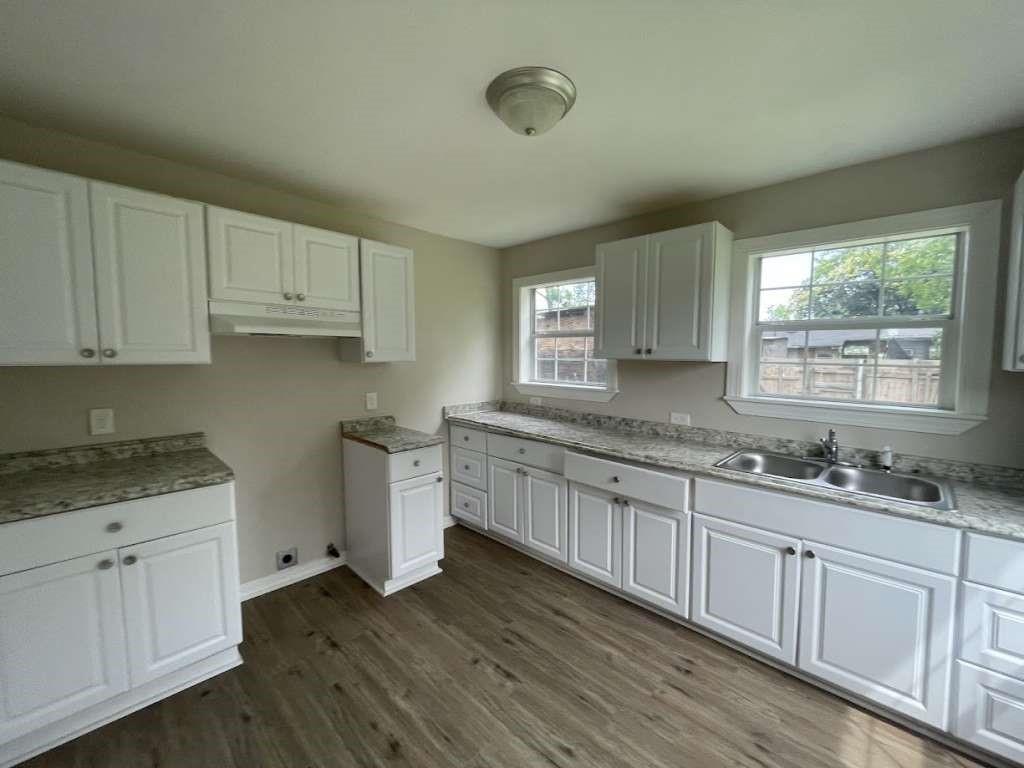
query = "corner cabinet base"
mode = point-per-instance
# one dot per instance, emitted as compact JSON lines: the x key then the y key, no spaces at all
{"x":385,"y":587}
{"x":55,"y":734}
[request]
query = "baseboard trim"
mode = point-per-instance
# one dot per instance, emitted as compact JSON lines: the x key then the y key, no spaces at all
{"x":289,"y":576}
{"x":449,"y":521}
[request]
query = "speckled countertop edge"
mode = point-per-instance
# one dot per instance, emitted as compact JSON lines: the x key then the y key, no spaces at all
{"x":382,"y":432}
{"x":980,"y":508}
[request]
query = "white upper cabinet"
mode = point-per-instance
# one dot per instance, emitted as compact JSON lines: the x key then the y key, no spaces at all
{"x":150,"y":261}
{"x":1013,"y":347}
{"x":389,"y":307}
{"x":250,"y":257}
{"x":47,"y":304}
{"x":665,"y":296}
{"x":326,"y":269}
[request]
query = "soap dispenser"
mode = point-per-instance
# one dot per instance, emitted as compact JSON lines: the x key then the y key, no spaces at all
{"x":885,"y":458}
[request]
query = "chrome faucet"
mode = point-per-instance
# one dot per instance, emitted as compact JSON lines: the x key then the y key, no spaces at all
{"x":830,"y":447}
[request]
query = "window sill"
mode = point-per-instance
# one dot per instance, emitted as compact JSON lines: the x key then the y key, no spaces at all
{"x":930,"y":421}
{"x":565,"y":391}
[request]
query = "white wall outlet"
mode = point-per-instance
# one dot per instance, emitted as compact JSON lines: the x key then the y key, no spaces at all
{"x":535,"y":401}
{"x":286,"y":558}
{"x":371,"y":401}
{"x":101,"y":421}
{"x":682,"y":419}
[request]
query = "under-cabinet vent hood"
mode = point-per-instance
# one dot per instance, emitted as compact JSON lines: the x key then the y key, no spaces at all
{"x":237,"y":318}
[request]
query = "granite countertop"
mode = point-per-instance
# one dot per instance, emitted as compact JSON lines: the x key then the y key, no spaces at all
{"x":382,"y":432}
{"x":39,"y":483}
{"x":983,"y":508}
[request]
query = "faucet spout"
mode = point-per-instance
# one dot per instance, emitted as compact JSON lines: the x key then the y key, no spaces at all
{"x":830,"y":446}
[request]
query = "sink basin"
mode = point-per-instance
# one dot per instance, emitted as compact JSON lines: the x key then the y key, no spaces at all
{"x":901,"y":487}
{"x":870,"y":482}
{"x":774,"y":464}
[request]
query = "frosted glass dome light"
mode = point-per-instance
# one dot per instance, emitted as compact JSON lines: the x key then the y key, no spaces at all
{"x":531,"y":100}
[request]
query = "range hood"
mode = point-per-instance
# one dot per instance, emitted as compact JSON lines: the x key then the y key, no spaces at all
{"x":239,"y":318}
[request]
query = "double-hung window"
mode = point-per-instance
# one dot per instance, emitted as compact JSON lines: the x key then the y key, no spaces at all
{"x":882,"y":323}
{"x":555,"y":344}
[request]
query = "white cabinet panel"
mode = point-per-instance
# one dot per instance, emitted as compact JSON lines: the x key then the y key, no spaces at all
{"x":656,"y":555}
{"x":746,"y":585}
{"x":62,"y":645}
{"x":416,"y":533}
{"x":47,"y":301}
{"x":678,"y":283}
{"x":150,"y":257}
{"x":544,"y":516}
{"x":992,"y":629}
{"x":180,"y":600}
{"x":595,"y":534}
{"x":878,"y":628}
{"x":620,"y":291}
{"x":1013,"y":338}
{"x":469,"y":505}
{"x":389,"y":311}
{"x":326,"y":269}
{"x":251,"y":257}
{"x":504,"y":502}
{"x":990,"y":711}
{"x":469,"y":467}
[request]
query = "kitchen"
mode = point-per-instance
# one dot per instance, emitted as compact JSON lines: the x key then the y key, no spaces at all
{"x":658,"y":311}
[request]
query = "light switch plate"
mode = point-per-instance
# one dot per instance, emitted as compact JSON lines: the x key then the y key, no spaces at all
{"x":371,"y":401}
{"x":680,"y":418}
{"x":101,"y":421}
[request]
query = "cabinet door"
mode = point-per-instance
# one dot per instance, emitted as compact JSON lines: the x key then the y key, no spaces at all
{"x":1013,"y":340}
{"x":251,"y":257}
{"x":990,"y":711}
{"x":679,"y":271}
{"x":469,"y":505}
{"x":992,"y":629}
{"x":656,"y":555}
{"x":620,"y":294}
{"x":326,"y":269}
{"x":389,"y":306}
{"x":878,"y":628}
{"x":544,"y":516}
{"x":61,"y":642}
{"x":504,"y":498}
{"x":746,"y":584}
{"x":595,"y":534}
{"x":180,"y":600}
{"x":47,"y":304}
{"x":415,"y":530}
{"x":150,"y":255}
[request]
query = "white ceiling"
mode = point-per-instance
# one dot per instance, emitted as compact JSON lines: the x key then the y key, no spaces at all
{"x":379,"y":104}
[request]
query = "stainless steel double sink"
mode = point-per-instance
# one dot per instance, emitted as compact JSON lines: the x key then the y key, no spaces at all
{"x":871,"y":482}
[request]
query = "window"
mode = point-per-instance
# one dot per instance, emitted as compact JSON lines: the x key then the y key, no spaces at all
{"x":862,"y":323}
{"x":556,"y":338}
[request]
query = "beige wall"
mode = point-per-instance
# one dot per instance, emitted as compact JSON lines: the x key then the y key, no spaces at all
{"x":269,"y":406}
{"x":970,"y":171}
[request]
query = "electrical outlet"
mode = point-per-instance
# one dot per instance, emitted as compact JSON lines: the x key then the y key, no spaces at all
{"x":101,"y":421}
{"x":286,"y":558}
{"x":680,"y":418}
{"x":371,"y":401}
{"x":535,"y":401}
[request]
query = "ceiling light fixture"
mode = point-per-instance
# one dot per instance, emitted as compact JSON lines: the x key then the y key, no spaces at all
{"x":530,"y":100}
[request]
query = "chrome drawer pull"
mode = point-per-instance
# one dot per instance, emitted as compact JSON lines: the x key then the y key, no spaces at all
{"x":114,"y":527}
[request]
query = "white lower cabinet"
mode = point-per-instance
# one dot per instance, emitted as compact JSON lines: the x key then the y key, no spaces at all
{"x":416,"y":533}
{"x":746,"y":585}
{"x":878,"y":628}
{"x":167,"y":627}
{"x":504,"y":498}
{"x":469,"y":505}
{"x":990,"y":711}
{"x":656,"y":555}
{"x":62,"y":645}
{"x":595,"y":534}
{"x":544,"y":497}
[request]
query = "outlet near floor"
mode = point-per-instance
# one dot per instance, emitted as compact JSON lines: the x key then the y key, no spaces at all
{"x":286,"y":558}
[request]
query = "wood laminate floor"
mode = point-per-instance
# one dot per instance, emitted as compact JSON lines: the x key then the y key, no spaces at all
{"x":500,"y":661}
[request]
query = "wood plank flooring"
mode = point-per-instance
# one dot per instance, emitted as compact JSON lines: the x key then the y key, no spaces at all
{"x":501,"y":661}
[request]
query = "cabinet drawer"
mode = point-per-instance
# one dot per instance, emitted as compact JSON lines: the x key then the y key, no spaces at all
{"x":992,"y":630}
{"x":990,"y":711}
{"x":421,"y":461}
{"x":469,"y":505}
{"x":473,"y":439}
{"x":665,"y":490}
{"x":543,"y":455}
{"x":469,"y":467}
{"x":995,"y":562}
{"x":30,"y":543}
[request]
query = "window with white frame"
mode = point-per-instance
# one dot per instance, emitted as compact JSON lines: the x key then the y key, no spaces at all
{"x":880,"y":323}
{"x":555,"y":324}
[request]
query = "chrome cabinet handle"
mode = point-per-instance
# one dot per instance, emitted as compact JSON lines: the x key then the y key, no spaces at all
{"x":440,"y":479}
{"x":369,"y":353}
{"x":522,"y":450}
{"x":416,"y":462}
{"x":108,"y":352}
{"x":287,"y":296}
{"x":105,"y":565}
{"x":648,"y":351}
{"x":114,"y":527}
{"x":790,"y":551}
{"x":615,"y":479}
{"x":466,"y":467}
{"x":300,"y":296}
{"x":639,"y":351}
{"x":625,"y":502}
{"x":809,"y":555}
{"x":130,"y":560}
{"x":465,"y":504}
{"x":466,"y":438}
{"x":87,"y":352}
{"x":616,"y":500}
